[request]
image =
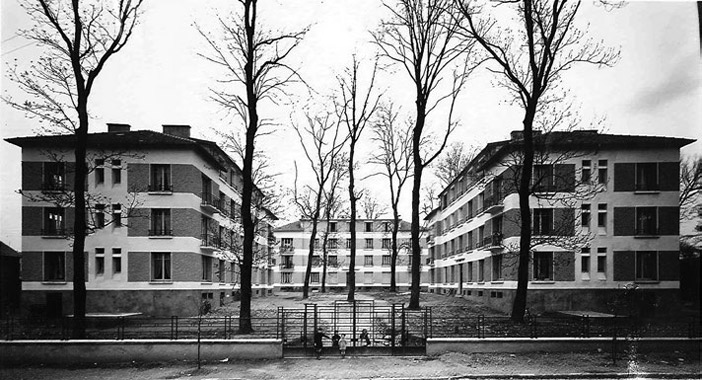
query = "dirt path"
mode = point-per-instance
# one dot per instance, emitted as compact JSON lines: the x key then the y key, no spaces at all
{"x":447,"y":365}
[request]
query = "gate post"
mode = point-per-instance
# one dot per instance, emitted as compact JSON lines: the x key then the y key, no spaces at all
{"x":403,"y":336}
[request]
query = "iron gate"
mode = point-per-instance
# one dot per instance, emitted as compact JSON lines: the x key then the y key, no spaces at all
{"x":389,"y":329}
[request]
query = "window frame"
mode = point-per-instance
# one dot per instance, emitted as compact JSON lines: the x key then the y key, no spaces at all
{"x":544,"y":260}
{"x":165,"y":264}
{"x":58,"y":267}
{"x":640,"y":258}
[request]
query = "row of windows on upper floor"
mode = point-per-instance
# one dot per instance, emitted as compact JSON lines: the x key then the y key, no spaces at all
{"x":644,"y":221}
{"x":55,"y":177}
{"x":332,"y":260}
{"x":561,"y":178}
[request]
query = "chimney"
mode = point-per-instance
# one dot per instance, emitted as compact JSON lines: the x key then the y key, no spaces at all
{"x":177,"y":130}
{"x":116,"y":127}
{"x":519,"y":134}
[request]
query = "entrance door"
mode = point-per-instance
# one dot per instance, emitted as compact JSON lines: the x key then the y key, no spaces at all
{"x":54,"y":305}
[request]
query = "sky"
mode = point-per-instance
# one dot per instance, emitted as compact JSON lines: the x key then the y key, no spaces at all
{"x":161,"y":78}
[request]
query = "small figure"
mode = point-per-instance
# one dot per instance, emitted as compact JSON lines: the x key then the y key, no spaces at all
{"x":364,"y":338}
{"x":335,"y":339}
{"x":318,"y":342}
{"x":342,"y":345}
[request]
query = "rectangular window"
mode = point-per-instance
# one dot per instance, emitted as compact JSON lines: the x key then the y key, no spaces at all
{"x":602,"y":172}
{"x":543,"y":266}
{"x":348,"y":243}
{"x":160,"y":178}
{"x":116,"y":176}
{"x":54,"y":266}
{"x":386,"y":226}
{"x":647,"y":176}
{"x":316,"y":261}
{"x":647,"y":266}
{"x":332,"y":226}
{"x":286,"y":278}
{"x":332,"y":261}
{"x":99,"y":261}
{"x":54,"y":176}
{"x":585,"y":264}
{"x":368,"y":261}
{"x":386,"y":244}
{"x":116,"y":260}
{"x":286,"y":242}
{"x":602,"y":215}
{"x":54,"y":221}
{"x":160,"y":222}
{"x":117,"y":215}
{"x":316,"y":243}
{"x":386,"y":260}
{"x":481,"y":270}
{"x":369,"y":226}
{"x":99,"y":171}
{"x":470,"y":271}
{"x":332,"y":243}
{"x":585,"y":215}
{"x":315,"y":278}
{"x":646,"y":221}
{"x":543,"y":221}
{"x":497,"y":268}
{"x":586,"y":173}
{"x":470,"y":209}
{"x":99,"y":215}
{"x":369,"y":243}
{"x":160,"y":266}
{"x":470,"y":240}
{"x":543,"y":178}
{"x":207,"y":268}
{"x":601,"y":264}
{"x":221,"y":271}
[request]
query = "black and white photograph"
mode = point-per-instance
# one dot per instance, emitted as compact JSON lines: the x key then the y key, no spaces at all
{"x":350,"y":189}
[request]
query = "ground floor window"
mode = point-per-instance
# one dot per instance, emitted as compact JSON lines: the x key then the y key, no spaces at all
{"x":206,"y":268}
{"x":54,"y":266}
{"x":481,"y":270}
{"x":543,"y":266}
{"x":315,"y":278}
{"x":646,"y":266}
{"x":286,"y":278}
{"x":161,"y":266}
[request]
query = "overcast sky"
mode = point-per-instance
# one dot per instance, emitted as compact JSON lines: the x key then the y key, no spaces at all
{"x":160,"y":79}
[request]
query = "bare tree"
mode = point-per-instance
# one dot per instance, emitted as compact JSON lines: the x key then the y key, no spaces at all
{"x":78,"y":40}
{"x":690,"y":186}
{"x":371,"y":206}
{"x":322,"y":144}
{"x":395,"y":142}
{"x":529,"y":60}
{"x":253,"y":60}
{"x":456,"y":157}
{"x":422,"y":37}
{"x":355,"y":108}
{"x":332,"y":208}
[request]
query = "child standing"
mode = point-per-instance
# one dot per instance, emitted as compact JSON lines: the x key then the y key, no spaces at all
{"x":342,"y":345}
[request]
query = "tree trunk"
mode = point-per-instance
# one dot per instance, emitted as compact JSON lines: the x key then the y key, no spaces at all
{"x":310,"y":255}
{"x":79,"y":227}
{"x":416,"y":185}
{"x":520,"y":299}
{"x":393,"y":258}
{"x":351,"y":280}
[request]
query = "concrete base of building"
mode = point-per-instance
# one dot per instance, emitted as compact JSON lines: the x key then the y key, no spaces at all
{"x":96,"y":351}
{"x":438,"y":346}
{"x":156,"y":303}
{"x":646,"y":302}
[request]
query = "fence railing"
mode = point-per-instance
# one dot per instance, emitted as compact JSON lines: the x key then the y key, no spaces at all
{"x":384,"y":325}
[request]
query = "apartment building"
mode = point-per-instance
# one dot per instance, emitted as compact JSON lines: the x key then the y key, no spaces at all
{"x":604,"y":213}
{"x":163,"y":213}
{"x":373,"y":255}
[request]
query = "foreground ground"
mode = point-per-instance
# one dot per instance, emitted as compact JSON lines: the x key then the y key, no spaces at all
{"x":685,"y":365}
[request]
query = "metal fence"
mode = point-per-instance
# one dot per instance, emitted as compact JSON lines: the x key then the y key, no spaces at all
{"x":385,"y":326}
